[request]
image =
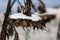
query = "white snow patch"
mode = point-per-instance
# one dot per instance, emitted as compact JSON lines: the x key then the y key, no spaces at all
{"x":1,"y":21}
{"x":51,"y":10}
{"x":33,"y":17}
{"x":21,"y":33}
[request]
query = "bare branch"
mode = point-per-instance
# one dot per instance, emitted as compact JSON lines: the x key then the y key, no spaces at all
{"x":27,"y":8}
{"x":4,"y":25}
{"x":18,"y":9}
{"x":42,"y":8}
{"x":20,"y":5}
{"x":13,"y":3}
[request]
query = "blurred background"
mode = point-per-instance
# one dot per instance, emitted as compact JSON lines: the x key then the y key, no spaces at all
{"x":48,"y":4}
{"x":52,"y":6}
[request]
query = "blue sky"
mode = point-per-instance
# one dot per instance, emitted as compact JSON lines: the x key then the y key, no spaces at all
{"x":48,"y":3}
{"x":51,"y":3}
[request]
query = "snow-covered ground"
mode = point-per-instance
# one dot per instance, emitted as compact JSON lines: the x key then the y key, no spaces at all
{"x":30,"y":34}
